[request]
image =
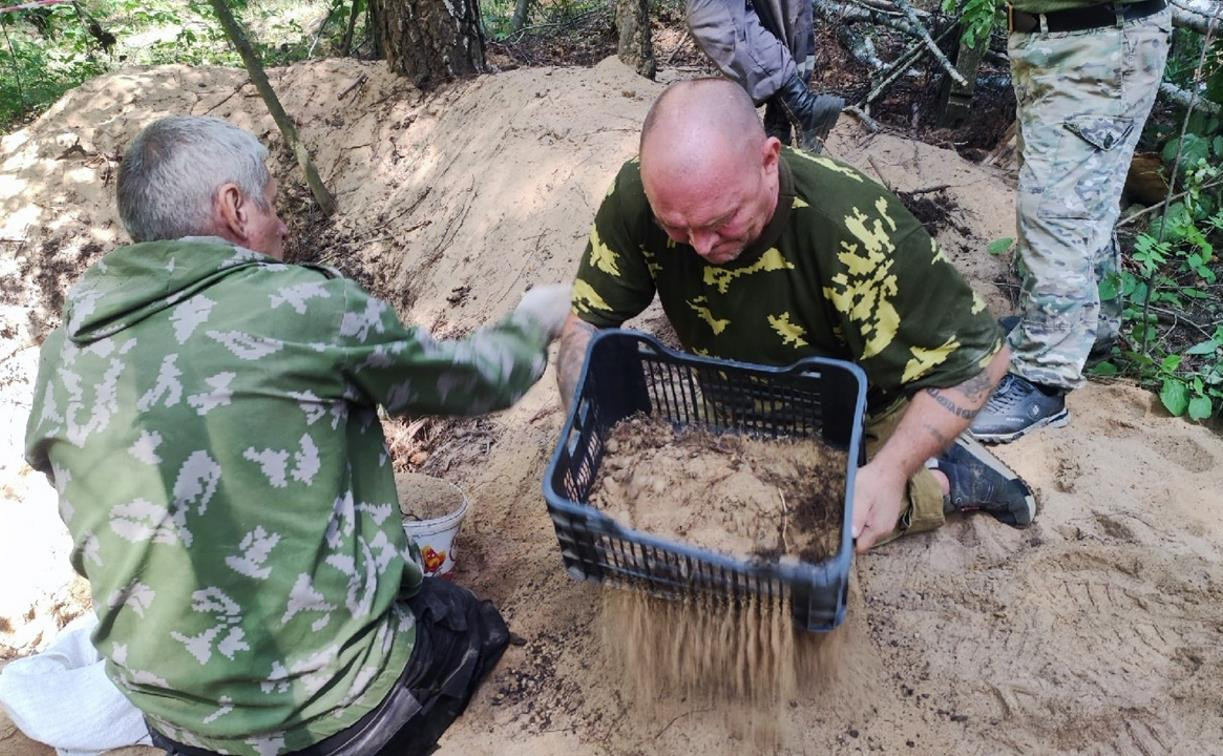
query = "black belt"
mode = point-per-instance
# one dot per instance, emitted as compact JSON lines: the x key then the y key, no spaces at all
{"x":1078,"y":19}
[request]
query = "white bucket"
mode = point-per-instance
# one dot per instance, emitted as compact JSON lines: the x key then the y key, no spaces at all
{"x":435,"y":536}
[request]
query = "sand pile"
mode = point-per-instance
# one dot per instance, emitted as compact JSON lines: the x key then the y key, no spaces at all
{"x":1097,"y":629}
{"x":732,"y":494}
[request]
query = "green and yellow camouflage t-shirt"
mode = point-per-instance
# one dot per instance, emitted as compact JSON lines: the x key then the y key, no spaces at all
{"x":842,"y":270}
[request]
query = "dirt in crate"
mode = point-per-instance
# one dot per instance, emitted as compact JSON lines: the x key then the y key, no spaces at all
{"x":424,"y":497}
{"x":734,"y":494}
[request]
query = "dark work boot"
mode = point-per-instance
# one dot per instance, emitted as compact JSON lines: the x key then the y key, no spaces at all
{"x":813,"y":115}
{"x":979,"y":481}
{"x":1016,"y":407}
{"x":776,"y":122}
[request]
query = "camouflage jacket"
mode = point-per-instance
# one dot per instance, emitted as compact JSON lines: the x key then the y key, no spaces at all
{"x":208,"y":416}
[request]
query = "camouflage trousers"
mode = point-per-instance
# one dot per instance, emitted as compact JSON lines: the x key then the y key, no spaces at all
{"x":758,"y":47}
{"x":1082,"y":99}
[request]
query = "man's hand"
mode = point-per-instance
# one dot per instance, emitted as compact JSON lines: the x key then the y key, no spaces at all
{"x":930,"y":424}
{"x":879,"y":497}
{"x":548,"y":306}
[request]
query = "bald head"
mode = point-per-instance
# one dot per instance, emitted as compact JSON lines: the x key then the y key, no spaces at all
{"x":707,"y":167}
{"x":695,"y":122}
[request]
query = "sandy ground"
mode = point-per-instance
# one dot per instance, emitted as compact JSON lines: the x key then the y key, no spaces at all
{"x":1099,"y":629}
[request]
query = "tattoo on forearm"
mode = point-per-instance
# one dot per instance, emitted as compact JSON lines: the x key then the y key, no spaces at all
{"x":977,"y":388}
{"x":936,"y":434}
{"x":947,"y":403}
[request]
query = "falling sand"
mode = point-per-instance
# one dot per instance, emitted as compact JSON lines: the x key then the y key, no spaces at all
{"x":746,"y":658}
{"x":739,"y":496}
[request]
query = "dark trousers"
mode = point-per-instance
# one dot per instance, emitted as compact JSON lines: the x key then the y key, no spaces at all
{"x":459,"y":639}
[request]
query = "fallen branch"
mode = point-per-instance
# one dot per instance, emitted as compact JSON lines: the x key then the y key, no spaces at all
{"x":901,"y":64}
{"x":868,"y":123}
{"x":930,"y":44}
{"x":875,"y":167}
{"x":1193,"y":14}
{"x":1148,"y":210}
{"x":1186,"y":99}
{"x":886,"y":6}
{"x":360,"y":80}
{"x":840,"y":13}
{"x":1180,"y":317}
{"x":929,"y":190}
{"x":860,"y":47}
{"x":576,"y":20}
{"x":683,"y":42}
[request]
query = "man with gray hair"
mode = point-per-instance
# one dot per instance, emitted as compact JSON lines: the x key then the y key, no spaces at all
{"x":208,"y":415}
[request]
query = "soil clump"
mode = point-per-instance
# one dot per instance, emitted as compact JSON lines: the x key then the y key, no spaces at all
{"x":736,"y":495}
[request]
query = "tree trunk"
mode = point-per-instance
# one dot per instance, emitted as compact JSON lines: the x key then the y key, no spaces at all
{"x":955,"y":106}
{"x":287,"y":128}
{"x":346,"y":45}
{"x":431,"y":41}
{"x":635,"y":46}
{"x":519,"y":19}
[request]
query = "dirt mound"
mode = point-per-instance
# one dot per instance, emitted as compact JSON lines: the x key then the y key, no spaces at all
{"x":1096,"y":629}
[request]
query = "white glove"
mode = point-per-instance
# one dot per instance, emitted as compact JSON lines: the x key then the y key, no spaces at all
{"x":548,"y":306}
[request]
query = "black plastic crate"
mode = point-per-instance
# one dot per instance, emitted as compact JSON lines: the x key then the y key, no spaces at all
{"x":628,"y":372}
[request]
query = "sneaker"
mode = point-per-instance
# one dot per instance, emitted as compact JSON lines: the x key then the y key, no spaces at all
{"x":981,"y":482}
{"x":1100,"y":351}
{"x":1016,"y":407}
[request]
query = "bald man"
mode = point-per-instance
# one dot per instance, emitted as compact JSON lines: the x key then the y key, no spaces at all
{"x":765,"y":254}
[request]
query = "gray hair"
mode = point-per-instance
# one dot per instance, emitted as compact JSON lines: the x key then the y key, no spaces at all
{"x":173,"y":168}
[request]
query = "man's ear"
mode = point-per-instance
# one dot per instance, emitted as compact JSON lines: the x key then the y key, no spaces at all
{"x":770,"y":154}
{"x":231,"y":211}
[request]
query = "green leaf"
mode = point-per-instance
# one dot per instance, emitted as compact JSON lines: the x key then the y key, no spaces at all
{"x":1128,"y":283}
{"x":1174,"y":396}
{"x":1214,"y":85}
{"x":1200,"y":408}
{"x":1104,"y":369}
{"x":1170,"y":363}
{"x":1195,"y":148}
{"x":998,"y":246}
{"x":1108,"y":289}
{"x":1203,"y":347}
{"x":1218,"y":145}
